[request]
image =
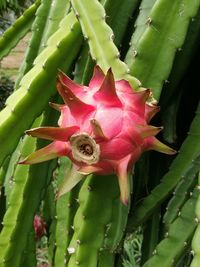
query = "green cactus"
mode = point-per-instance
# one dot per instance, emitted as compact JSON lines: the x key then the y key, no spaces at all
{"x":179,"y":233}
{"x":164,"y":21}
{"x":18,"y":30}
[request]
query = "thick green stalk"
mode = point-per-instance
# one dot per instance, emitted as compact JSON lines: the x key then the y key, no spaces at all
{"x":84,"y":66}
{"x":114,"y":10}
{"x":166,"y":29}
{"x":150,"y":236}
{"x":181,"y":192}
{"x":106,"y":258}
{"x":29,"y":257}
{"x":91,"y":15}
{"x":66,"y":207}
{"x":51,"y":241}
{"x":181,"y":62}
{"x":169,"y":117}
{"x":46,"y":23}
{"x":180,"y":231}
{"x":140,"y":27}
{"x":59,"y":9}
{"x":16,"y":200}
{"x":3,"y":170}
{"x":118,"y":13}
{"x":85,"y":246}
{"x":29,"y":190}
{"x":174,"y":86}
{"x":65,"y":43}
{"x":18,"y":30}
{"x":188,"y":152}
{"x":195,"y":240}
{"x":8,"y":177}
{"x":35,"y":41}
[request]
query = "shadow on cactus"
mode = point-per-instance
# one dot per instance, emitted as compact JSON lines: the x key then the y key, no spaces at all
{"x":103,"y":128}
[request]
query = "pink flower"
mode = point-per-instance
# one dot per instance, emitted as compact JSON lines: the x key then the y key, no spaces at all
{"x":103,"y":128}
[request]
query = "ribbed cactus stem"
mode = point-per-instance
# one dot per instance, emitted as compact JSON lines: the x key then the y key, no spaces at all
{"x":181,"y":193}
{"x":91,"y":15}
{"x":18,"y":30}
{"x":66,"y":207}
{"x":85,"y":246}
{"x":180,"y":231}
{"x":195,"y":240}
{"x":165,"y":20}
{"x":37,"y":30}
{"x":15,"y":202}
{"x":43,"y":73}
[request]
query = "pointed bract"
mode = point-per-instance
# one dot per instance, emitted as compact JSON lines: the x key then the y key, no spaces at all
{"x":55,"y":106}
{"x":77,"y":89}
{"x":69,"y":181}
{"x":150,"y":111}
{"x":123,"y":179}
{"x":53,"y":133}
{"x":97,"y":78}
{"x":97,"y":130}
{"x":54,"y":150}
{"x":153,"y":143}
{"x":76,"y":106}
{"x":138,"y":101}
{"x":148,"y":130}
{"x":107,"y":95}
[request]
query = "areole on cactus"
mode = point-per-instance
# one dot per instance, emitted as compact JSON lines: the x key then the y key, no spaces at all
{"x":103,"y":127}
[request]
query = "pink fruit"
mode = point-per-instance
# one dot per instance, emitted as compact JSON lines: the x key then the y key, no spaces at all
{"x":103,"y":128}
{"x":39,"y":226}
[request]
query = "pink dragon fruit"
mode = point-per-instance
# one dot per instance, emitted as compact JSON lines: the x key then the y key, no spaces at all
{"x":103,"y":128}
{"x":39,"y":226}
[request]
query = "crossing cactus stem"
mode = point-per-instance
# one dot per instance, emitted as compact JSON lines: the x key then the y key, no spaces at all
{"x":34,"y":45}
{"x":164,"y":255}
{"x":18,"y":30}
{"x":96,"y":31}
{"x":181,"y":192}
{"x":103,"y":127}
{"x":48,"y":61}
